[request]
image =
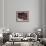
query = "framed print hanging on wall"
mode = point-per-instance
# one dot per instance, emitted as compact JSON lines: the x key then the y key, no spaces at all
{"x":22,"y":16}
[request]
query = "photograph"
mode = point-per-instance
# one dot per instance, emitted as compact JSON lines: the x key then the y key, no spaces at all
{"x":22,"y":16}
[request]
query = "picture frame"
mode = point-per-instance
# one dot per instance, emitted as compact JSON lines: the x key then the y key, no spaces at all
{"x":22,"y":16}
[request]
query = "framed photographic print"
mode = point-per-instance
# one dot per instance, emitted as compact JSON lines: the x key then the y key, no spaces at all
{"x":22,"y":16}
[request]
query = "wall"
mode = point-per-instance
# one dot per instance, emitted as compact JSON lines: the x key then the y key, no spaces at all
{"x":35,"y":15}
{"x":1,"y":15}
{"x":44,"y":18}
